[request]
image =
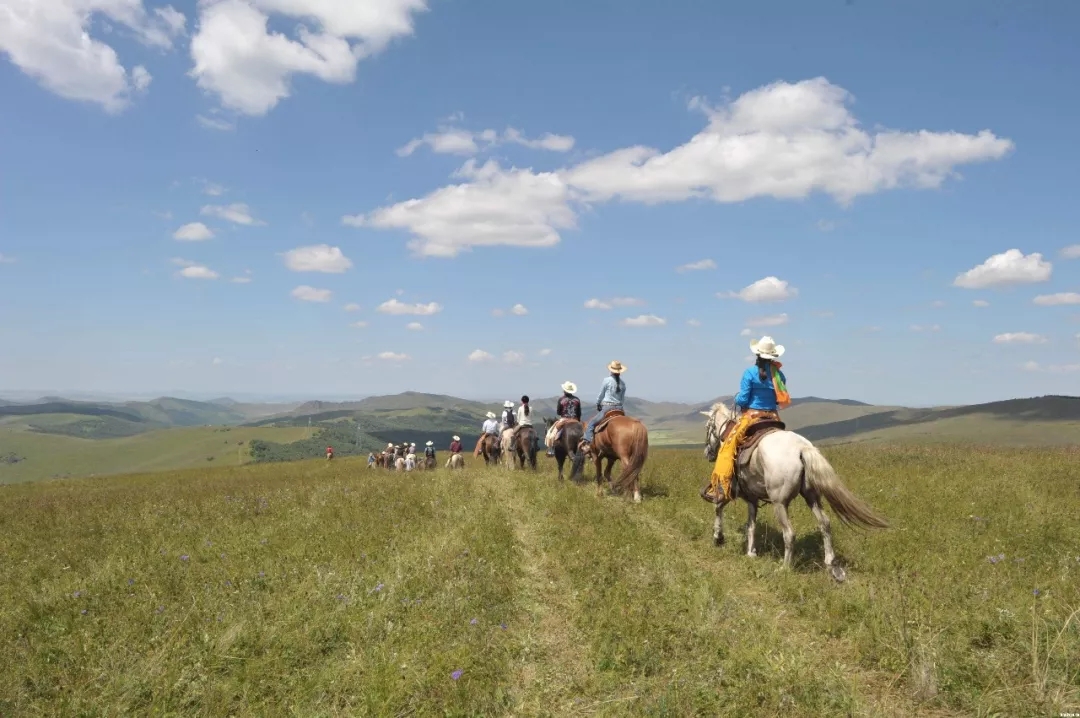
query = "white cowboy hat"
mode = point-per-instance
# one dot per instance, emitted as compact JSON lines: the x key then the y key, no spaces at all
{"x":491,"y":415}
{"x":508,"y":404}
{"x":390,"y":445}
{"x":616,"y":367}
{"x":767,"y":348}
{"x":457,"y":438}
{"x":569,"y":387}
{"x":428,"y":444}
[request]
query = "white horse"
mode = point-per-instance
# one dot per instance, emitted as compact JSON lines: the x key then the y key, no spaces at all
{"x":506,"y":441}
{"x":399,"y":464}
{"x":782,"y":466}
{"x":456,"y":461}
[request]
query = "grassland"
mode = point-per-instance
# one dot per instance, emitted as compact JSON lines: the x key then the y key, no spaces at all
{"x":47,"y":455}
{"x":326,"y":589}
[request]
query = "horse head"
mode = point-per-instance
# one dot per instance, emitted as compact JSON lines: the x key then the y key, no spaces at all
{"x":718,"y":418}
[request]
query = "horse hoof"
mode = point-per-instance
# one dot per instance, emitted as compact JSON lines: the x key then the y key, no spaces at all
{"x":838,"y":573}
{"x":718,"y":540}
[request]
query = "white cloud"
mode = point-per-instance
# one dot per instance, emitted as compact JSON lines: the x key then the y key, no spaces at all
{"x":352,"y":307}
{"x":359,"y":325}
{"x":769,"y":289}
{"x":393,"y":306}
{"x":496,"y":208}
{"x":606,"y":304}
{"x":923,"y":328}
{"x":1071,"y":252}
{"x":519,"y":309}
{"x":596,"y":304}
{"x":693,"y":322}
{"x":317,"y":258}
{"x":212,"y":189}
{"x":193,"y":232}
{"x":545,"y":352}
{"x":249,"y":68}
{"x":1019,"y":338}
{"x":643,"y":320}
{"x":498,"y":312}
{"x":980,"y":303}
{"x":826,"y":225}
{"x":235,"y":213}
{"x":784,"y":140}
{"x":415,"y":326}
{"x":391,"y":356}
{"x":310,"y":294}
{"x":456,"y":141}
{"x":937,"y":304}
{"x":215,"y":123}
{"x":745,"y":332}
{"x":49,"y":40}
{"x":6,"y":259}
{"x":697,"y":266}
{"x":1051,"y":368}
{"x":216,"y":361}
{"x":1049,"y":300}
{"x":773,"y":320}
{"x":1008,"y":268}
{"x":241,"y":280}
{"x":478,"y":355}
{"x":193,"y":270}
{"x":513,"y":357}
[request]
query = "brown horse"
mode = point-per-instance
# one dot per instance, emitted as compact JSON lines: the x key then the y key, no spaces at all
{"x":620,"y":438}
{"x":489,"y":449}
{"x":524,"y":445}
{"x":566,"y":445}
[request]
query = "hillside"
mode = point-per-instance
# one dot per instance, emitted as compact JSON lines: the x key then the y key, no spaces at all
{"x":327,"y":589}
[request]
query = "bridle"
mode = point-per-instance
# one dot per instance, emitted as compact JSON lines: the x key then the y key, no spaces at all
{"x":713,"y":434}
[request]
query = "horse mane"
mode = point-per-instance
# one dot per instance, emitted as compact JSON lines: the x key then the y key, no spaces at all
{"x":719,"y":410}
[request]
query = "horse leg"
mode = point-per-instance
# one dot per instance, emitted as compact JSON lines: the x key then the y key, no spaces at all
{"x":751,"y":522}
{"x":814,"y":501}
{"x":718,"y":525}
{"x":607,"y":474}
{"x":599,"y":476}
{"x":782,"y":518}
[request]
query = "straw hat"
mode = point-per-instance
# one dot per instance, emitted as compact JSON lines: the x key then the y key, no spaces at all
{"x":508,"y":404}
{"x":491,"y":415}
{"x":616,"y":367}
{"x":457,"y":438}
{"x":767,"y":348}
{"x":569,"y":387}
{"x":429,"y":443}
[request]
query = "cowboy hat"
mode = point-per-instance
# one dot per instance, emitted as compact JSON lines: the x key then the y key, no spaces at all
{"x":429,"y":443}
{"x":491,"y":415}
{"x":508,"y":404}
{"x":569,"y":387}
{"x":390,"y":445}
{"x":616,"y":367}
{"x":457,"y":438}
{"x":766,"y":348}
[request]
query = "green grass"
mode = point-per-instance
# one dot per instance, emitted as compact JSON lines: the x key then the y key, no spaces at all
{"x":50,"y":455}
{"x":326,"y":589}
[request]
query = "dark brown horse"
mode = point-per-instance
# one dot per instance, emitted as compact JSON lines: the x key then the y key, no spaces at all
{"x":620,"y":438}
{"x":489,"y":449}
{"x":566,"y":445}
{"x":524,"y":445}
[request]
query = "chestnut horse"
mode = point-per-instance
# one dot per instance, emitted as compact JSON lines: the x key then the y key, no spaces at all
{"x":489,"y":449}
{"x":523,"y":444}
{"x":620,"y":438}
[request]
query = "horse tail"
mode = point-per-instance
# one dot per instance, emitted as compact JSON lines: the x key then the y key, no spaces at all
{"x":821,"y":476}
{"x":638,"y":449}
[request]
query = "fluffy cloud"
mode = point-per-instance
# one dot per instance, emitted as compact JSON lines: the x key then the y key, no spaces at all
{"x":212,"y":189}
{"x":193,"y":270}
{"x":1005,"y":269}
{"x":415,"y":326}
{"x":359,"y":325}
{"x":317,"y":258}
{"x":393,"y":306}
{"x":248,"y":67}
{"x":1071,"y":252}
{"x":479,"y":355}
{"x":391,"y":356}
{"x":50,"y":41}
{"x":1049,"y":300}
{"x":545,"y":352}
{"x":769,"y":289}
{"x":513,"y":358}
{"x":1019,"y":338}
{"x":310,"y":294}
{"x":215,"y":123}
{"x":784,"y":140}
{"x":697,"y":266}
{"x":456,"y":141}
{"x":693,"y":322}
{"x":519,"y":309}
{"x":352,"y":307}
{"x":773,"y":320}
{"x":235,"y":213}
{"x":193,"y":232}
{"x":497,"y":207}
{"x":643,"y":320}
{"x":606,"y":304}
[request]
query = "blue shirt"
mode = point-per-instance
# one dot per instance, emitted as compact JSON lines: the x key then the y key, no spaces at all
{"x":611,"y":395}
{"x":757,"y":394}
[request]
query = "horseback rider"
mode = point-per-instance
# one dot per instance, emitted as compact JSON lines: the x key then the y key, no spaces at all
{"x":611,"y":397}
{"x":429,"y":450}
{"x":455,"y":445}
{"x":762,"y":391}
{"x":507,"y":421}
{"x":524,"y":418}
{"x":568,"y":407}
{"x":490,"y":428}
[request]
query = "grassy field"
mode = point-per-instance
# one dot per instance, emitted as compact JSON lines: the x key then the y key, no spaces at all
{"x":49,"y":455}
{"x":327,"y":589}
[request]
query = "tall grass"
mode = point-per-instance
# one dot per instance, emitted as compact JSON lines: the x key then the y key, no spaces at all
{"x":327,"y":589}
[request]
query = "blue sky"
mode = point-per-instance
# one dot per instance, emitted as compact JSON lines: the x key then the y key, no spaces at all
{"x":336,"y":198}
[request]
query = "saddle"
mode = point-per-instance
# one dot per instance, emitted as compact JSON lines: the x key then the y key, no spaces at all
{"x":766,"y":424}
{"x":604,"y":422}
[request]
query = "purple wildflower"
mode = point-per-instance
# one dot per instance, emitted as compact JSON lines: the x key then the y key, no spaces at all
{"x":377,"y":588}
{"x":472,"y":622}
{"x":262,"y":574}
{"x":1035,"y":593}
{"x":228,"y":583}
{"x":84,"y":612}
{"x":456,"y":674}
{"x":76,"y":594}
{"x":160,"y":609}
{"x":263,"y":541}
{"x":131,"y":582}
{"x":341,"y":597}
{"x":502,"y":626}
{"x":185,"y":557}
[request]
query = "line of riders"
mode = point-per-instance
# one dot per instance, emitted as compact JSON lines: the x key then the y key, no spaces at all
{"x":406,"y":454}
{"x":762,"y":391}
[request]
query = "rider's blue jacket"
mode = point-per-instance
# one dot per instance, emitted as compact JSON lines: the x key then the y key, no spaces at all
{"x":757,"y":394}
